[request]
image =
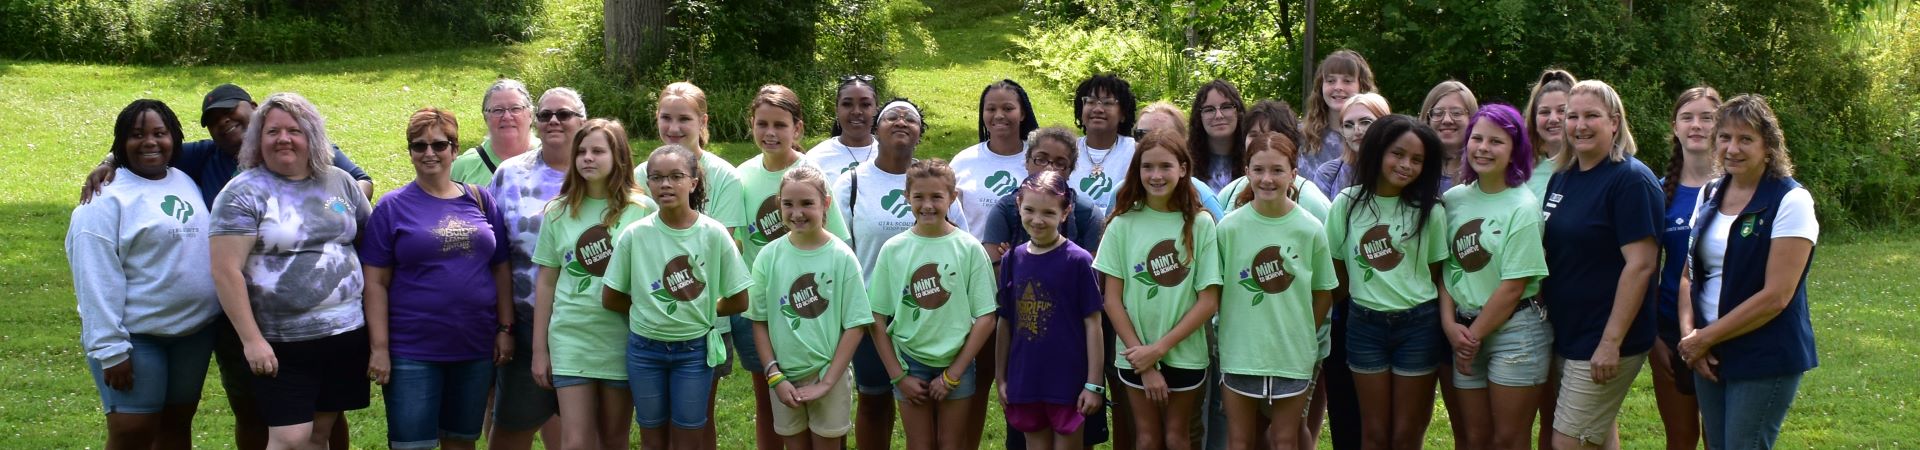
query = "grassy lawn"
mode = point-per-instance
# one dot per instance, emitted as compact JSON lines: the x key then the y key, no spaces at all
{"x":56,"y":120}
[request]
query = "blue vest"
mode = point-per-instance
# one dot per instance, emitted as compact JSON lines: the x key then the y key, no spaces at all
{"x":1784,"y":345}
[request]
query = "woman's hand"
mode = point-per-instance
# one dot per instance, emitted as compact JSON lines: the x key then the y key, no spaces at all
{"x":1605,"y":363}
{"x":913,"y":388}
{"x":260,"y":359}
{"x":379,"y":366}
{"x":938,"y":390}
{"x":1697,"y":351}
{"x":788,"y":395}
{"x":542,"y":368}
{"x":120,"y":376}
{"x":812,"y":392}
{"x":1144,"y":355}
{"x":1156,"y":385}
{"x":502,"y":348}
{"x":1465,"y":345}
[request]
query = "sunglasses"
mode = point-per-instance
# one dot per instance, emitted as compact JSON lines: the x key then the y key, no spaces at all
{"x":857,"y":77}
{"x":564,"y":115}
{"x":1141,"y":133}
{"x":421,"y":146}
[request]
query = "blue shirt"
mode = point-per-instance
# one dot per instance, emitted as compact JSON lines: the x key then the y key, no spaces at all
{"x":1589,"y":215}
{"x":1676,"y":230}
{"x":211,"y":168}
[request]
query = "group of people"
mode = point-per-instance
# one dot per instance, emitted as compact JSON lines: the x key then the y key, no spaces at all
{"x":1198,"y":271}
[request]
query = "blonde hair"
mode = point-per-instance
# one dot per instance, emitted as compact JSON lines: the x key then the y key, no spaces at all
{"x":1623,"y":145}
{"x":1374,"y":103}
{"x":1753,"y":111}
{"x":809,"y":176}
{"x":1166,"y":107}
{"x":1440,"y":91}
{"x":692,"y":94}
{"x":311,"y":123}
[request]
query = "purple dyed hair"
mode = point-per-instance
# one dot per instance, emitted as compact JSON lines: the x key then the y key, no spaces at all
{"x":1520,"y":160}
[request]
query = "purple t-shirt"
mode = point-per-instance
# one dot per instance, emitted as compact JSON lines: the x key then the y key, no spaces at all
{"x":1045,"y":299}
{"x":441,"y":302}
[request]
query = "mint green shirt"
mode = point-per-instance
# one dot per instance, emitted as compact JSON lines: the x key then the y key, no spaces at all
{"x":1266,"y":314}
{"x":1387,"y":265}
{"x":1495,"y":237}
{"x":677,"y":278}
{"x":1163,"y":280}
{"x":583,"y":338}
{"x":1542,"y":173}
{"x":818,"y":295}
{"x":725,"y":202}
{"x":933,"y":288}
{"x":765,"y":223}
{"x":1310,"y":197}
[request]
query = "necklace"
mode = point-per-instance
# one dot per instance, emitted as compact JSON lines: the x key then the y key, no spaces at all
{"x":1099,"y":165}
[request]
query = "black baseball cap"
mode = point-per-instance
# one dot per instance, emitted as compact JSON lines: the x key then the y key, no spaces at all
{"x":222,"y":97}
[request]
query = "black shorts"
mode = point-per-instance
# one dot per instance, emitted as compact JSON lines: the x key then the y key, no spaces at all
{"x":1178,"y":379}
{"x":321,"y":375}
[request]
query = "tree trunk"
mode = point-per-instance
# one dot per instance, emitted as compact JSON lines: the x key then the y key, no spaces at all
{"x":636,"y":34}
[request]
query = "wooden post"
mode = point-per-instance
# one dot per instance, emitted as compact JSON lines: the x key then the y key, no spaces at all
{"x":1306,"y":59}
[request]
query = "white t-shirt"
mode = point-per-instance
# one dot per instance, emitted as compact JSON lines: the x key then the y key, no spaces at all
{"x":984,"y":177}
{"x":1112,"y":164}
{"x":879,"y":211}
{"x":835,"y":158}
{"x":1794,"y":218}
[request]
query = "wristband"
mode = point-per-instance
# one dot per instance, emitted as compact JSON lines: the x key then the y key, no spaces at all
{"x":504,"y":329}
{"x":769,"y":367}
{"x":775,"y":379}
{"x":950,"y":381}
{"x":1096,"y":389}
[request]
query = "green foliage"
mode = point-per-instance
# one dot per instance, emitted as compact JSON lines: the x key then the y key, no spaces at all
{"x":185,"y":32}
{"x":1183,"y":45}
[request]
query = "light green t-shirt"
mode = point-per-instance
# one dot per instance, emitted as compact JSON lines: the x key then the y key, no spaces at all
{"x":677,"y":278}
{"x":1144,"y":248}
{"x":915,"y":278}
{"x":1310,"y":197}
{"x":1387,"y":265}
{"x":1542,"y":173}
{"x":468,"y":168}
{"x":765,"y":222}
{"x":583,"y":338}
{"x":818,"y":294}
{"x":725,"y":202}
{"x":1266,"y":316}
{"x":1496,"y":237}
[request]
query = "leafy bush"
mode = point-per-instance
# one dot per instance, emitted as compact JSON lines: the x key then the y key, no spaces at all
{"x":218,"y":31}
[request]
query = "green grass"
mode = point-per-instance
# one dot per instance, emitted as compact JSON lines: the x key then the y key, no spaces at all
{"x":56,"y":120}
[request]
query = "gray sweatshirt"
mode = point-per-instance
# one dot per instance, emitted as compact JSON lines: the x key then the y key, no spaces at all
{"x":140,"y":265}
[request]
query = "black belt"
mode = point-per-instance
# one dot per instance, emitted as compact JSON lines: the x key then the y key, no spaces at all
{"x":1529,"y":302}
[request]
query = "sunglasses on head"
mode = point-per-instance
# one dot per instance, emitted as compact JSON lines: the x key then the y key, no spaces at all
{"x":564,"y":115}
{"x":421,"y":146}
{"x":1141,"y":133}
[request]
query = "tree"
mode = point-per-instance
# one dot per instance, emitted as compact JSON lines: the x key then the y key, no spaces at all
{"x":637,"y":34}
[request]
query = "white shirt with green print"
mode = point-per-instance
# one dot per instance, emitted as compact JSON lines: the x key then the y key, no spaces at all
{"x":1387,"y":265}
{"x":818,"y":295}
{"x":875,"y":207}
{"x":1495,"y":237}
{"x":1143,"y":247}
{"x":583,"y":338}
{"x":984,"y":177}
{"x":1273,"y":265}
{"x":933,"y":288}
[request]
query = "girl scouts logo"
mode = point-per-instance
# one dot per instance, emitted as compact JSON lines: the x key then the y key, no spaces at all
{"x":1467,"y":246}
{"x":339,"y":205}
{"x":176,"y":208}
{"x":767,"y":226}
{"x":924,"y":291}
{"x":803,"y":300}
{"x":1746,"y":226}
{"x":589,"y":257}
{"x":1096,"y":185}
{"x":896,"y":202}
{"x":677,"y":283}
{"x":1163,"y":268}
{"x":1001,"y":183}
{"x":1268,"y":275}
{"x":1376,"y":247}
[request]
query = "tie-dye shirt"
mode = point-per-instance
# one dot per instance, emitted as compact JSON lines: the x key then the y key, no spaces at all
{"x":303,"y":275}
{"x":523,"y":185}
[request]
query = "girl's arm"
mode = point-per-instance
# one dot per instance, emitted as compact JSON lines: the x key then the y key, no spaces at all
{"x":1499,"y":307}
{"x":783,"y":391}
{"x":843,"y":355}
{"x":614,"y":300}
{"x":1096,"y":368}
{"x":1003,"y":336}
{"x":1116,"y":308}
{"x":374,"y":304}
{"x":983,"y":327}
{"x":911,"y":388}
{"x":228,"y":252}
{"x":504,"y":313}
{"x":1641,"y":258}
{"x":732,"y":304}
{"x":1322,"y":302}
{"x":1202,"y":311}
{"x":543,"y":287}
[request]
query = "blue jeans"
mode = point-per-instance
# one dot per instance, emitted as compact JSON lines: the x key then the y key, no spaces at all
{"x":748,"y":351}
{"x":166,"y":371}
{"x":931,"y":374}
{"x":1409,"y":341}
{"x":669,"y":379}
{"x":428,"y":401}
{"x":1744,"y":414}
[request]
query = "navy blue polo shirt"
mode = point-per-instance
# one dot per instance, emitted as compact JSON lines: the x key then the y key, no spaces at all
{"x":1590,"y":214}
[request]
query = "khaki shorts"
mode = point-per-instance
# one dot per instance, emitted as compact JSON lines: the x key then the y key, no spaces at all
{"x":1587,"y":411}
{"x":829,"y":416}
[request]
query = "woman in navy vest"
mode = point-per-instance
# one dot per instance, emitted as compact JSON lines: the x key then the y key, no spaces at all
{"x":1744,"y":315}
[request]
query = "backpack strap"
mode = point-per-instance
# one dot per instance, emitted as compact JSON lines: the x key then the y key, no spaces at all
{"x":485,"y":159}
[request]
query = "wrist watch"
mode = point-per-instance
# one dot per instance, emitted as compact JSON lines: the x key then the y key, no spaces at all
{"x":1097,"y":389}
{"x":504,"y":329}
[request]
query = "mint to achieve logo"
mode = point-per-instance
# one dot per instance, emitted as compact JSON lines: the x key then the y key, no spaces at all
{"x":179,"y":209}
{"x":589,"y":258}
{"x":1162,"y":268}
{"x":1096,"y":186}
{"x":1376,"y":248}
{"x":677,"y":283}
{"x":925,"y":289}
{"x":767,"y":224}
{"x":1002,"y":183}
{"x":1268,"y":273}
{"x":805,"y":299}
{"x":896,"y":202}
{"x":1469,"y":247}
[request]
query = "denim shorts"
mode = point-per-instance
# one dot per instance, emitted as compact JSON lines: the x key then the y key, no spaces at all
{"x":518,"y":403}
{"x":743,"y":345}
{"x":166,"y":371}
{"x":669,"y":380}
{"x":1518,"y":354}
{"x":561,"y":381}
{"x":428,"y":401}
{"x":1407,"y":341}
{"x":932,"y":375}
{"x":869,"y":373}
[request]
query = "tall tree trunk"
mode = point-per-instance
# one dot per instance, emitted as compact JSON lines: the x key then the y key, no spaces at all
{"x":636,"y":34}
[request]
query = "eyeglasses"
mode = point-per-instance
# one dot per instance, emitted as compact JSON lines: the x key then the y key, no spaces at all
{"x":505,"y":110}
{"x":564,"y":115}
{"x":674,"y":177}
{"x":1100,"y":102}
{"x":1455,"y":114}
{"x":1222,"y":109}
{"x":421,"y":146}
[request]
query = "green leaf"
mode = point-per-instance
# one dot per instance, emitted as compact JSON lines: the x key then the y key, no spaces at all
{"x":664,"y":296}
{"x":1153,"y":291}
{"x":758,"y":239}
{"x":789,"y":312}
{"x":794,"y":324}
{"x":1250,"y":285}
{"x":916,"y":313}
{"x":1144,"y":278}
{"x":1366,"y":275}
{"x":907,"y":299}
{"x":582,"y":284}
{"x":574,"y":268}
{"x":672,"y":307}
{"x":1257,"y":298}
